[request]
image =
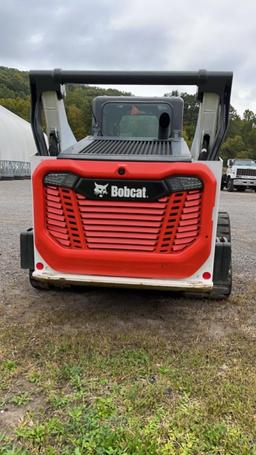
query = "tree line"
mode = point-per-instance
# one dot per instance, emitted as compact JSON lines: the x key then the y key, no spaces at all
{"x":240,"y":140}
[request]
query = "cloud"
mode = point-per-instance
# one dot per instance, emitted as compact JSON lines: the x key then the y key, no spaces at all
{"x":139,"y":34}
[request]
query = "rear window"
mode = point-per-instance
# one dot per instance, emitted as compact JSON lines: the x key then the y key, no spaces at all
{"x":131,"y":120}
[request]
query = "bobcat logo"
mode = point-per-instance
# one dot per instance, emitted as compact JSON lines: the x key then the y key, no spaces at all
{"x":100,"y":190}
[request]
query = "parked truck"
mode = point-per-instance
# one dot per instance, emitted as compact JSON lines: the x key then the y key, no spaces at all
{"x":130,"y":205}
{"x":240,"y":174}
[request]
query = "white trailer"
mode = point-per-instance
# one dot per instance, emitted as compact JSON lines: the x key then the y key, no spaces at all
{"x":17,"y":145}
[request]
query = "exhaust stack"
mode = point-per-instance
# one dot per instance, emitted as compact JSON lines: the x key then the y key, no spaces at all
{"x":164,"y":126}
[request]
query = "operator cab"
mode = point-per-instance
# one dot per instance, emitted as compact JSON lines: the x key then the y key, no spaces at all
{"x":141,"y":129}
{"x":129,"y":118}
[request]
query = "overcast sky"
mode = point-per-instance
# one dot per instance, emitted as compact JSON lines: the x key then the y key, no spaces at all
{"x":134,"y":35}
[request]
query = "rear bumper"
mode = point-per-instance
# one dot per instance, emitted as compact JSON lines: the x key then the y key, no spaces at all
{"x":245,"y":182}
{"x":29,"y":257}
{"x":127,"y":282}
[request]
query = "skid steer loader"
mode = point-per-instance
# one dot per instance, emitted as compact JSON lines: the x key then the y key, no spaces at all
{"x":130,"y":205}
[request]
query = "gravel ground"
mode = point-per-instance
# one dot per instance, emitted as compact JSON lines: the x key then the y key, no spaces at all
{"x":162,"y":312}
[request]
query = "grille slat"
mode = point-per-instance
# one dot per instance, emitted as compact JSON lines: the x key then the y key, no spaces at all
{"x":189,"y":216}
{"x":56,"y":223}
{"x":117,"y":246}
{"x":187,"y":228}
{"x":122,"y":241}
{"x":117,"y":216}
{"x":52,"y":198}
{"x":119,"y":235}
{"x":184,"y":241}
{"x":117,"y":229}
{"x":54,"y":205}
{"x":184,"y":235}
{"x":141,"y":205}
{"x":57,"y":229}
{"x":125,"y":222}
{"x":118,"y":210}
{"x":55,"y":216}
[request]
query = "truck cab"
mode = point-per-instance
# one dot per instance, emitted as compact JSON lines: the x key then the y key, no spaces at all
{"x":240,"y":175}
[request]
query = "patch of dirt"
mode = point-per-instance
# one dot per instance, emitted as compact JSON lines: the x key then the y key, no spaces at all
{"x":12,"y":416}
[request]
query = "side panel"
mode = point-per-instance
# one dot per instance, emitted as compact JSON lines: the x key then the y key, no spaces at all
{"x":206,"y":124}
{"x":191,"y":262}
{"x":56,"y":120}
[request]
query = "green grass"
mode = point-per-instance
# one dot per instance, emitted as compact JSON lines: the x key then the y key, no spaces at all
{"x":121,"y":392}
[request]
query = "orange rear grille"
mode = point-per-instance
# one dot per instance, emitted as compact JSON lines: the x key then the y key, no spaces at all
{"x":168,"y":225}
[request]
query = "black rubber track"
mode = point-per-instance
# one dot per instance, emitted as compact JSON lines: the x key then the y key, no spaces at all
{"x":223,"y":226}
{"x":222,"y":290}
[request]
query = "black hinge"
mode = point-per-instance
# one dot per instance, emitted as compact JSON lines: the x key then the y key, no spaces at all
{"x":54,"y":143}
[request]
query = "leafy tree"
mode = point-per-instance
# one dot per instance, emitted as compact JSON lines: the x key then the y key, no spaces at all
{"x":76,"y":121}
{"x":233,"y":115}
{"x":232,"y":147}
{"x":19,"y":106}
{"x":15,"y":81}
{"x":249,"y":116}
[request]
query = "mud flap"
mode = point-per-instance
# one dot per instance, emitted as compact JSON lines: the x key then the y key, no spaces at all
{"x":222,"y":261}
{"x":222,"y":272}
{"x":27,"y":250}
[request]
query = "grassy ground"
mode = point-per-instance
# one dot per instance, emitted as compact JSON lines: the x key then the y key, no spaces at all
{"x":121,"y":391}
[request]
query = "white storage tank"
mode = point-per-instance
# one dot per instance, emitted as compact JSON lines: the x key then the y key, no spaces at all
{"x":17,"y":145}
